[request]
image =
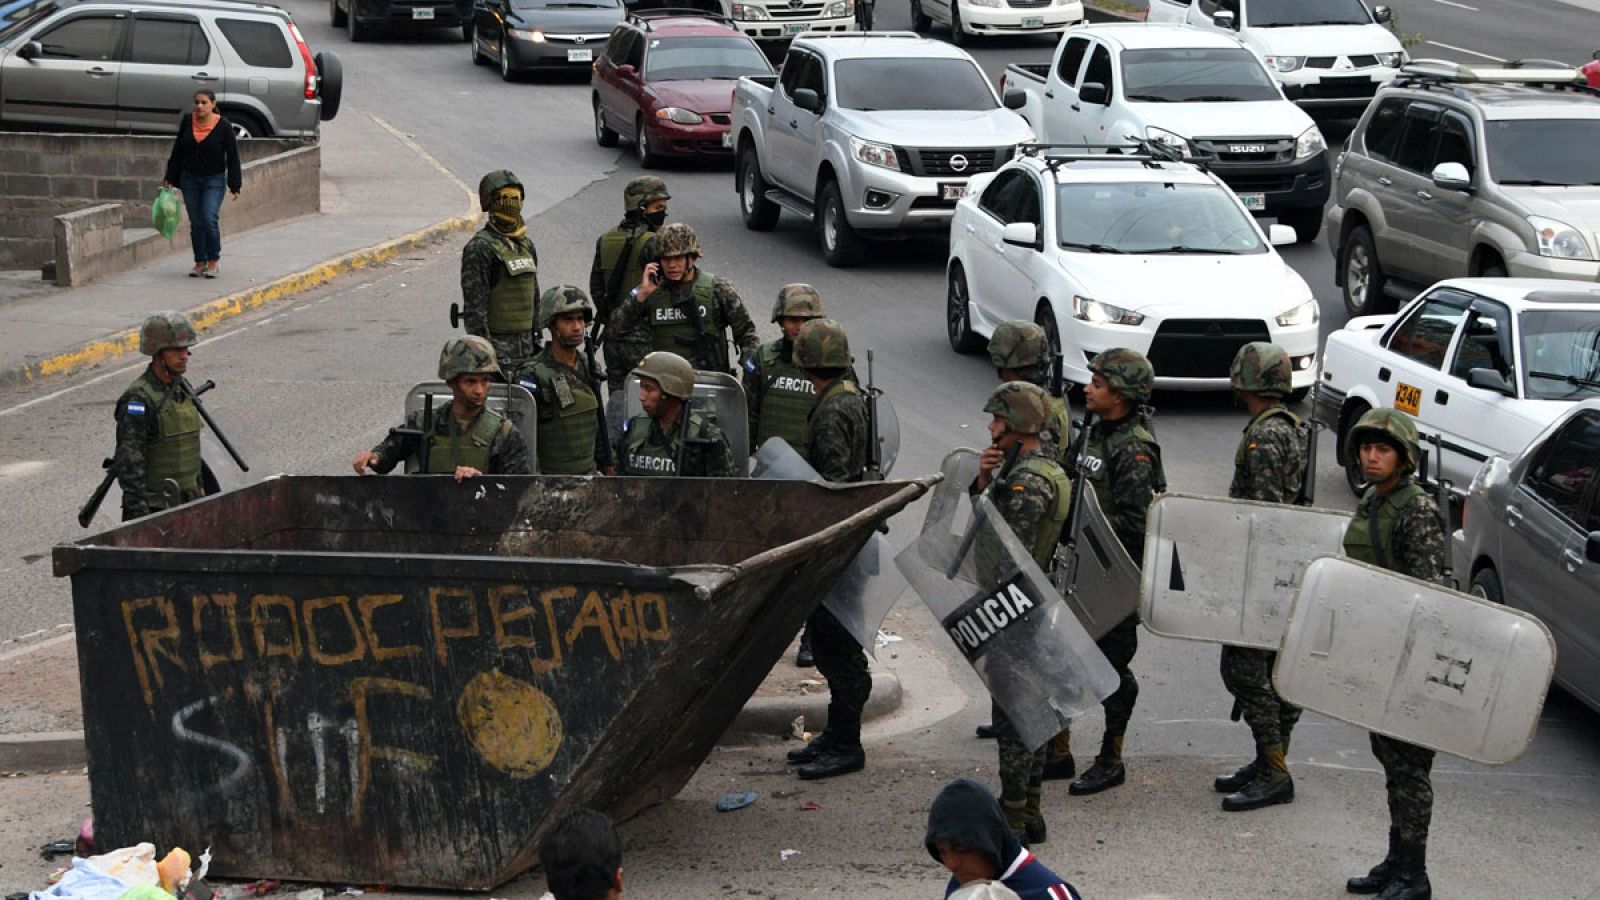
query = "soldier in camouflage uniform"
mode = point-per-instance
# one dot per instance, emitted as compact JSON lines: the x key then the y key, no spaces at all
{"x":500,"y":274}
{"x":656,"y":442}
{"x":618,"y":266}
{"x":1269,"y":466}
{"x":571,"y":437}
{"x":467,"y":439}
{"x":836,"y":446}
{"x":1032,"y":496}
{"x":158,"y":424}
{"x":689,"y":312}
{"x":1122,"y":461}
{"x":1397,"y":526}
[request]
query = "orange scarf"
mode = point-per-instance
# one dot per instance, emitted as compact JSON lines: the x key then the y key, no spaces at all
{"x":201,"y":131}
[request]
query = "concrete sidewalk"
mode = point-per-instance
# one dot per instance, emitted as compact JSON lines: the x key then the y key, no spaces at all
{"x":382,"y":194}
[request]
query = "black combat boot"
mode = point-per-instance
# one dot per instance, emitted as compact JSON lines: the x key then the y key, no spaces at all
{"x":1240,"y":779}
{"x":1107,"y":771}
{"x":1060,"y":769}
{"x":1409,"y":880}
{"x":834,"y":759}
{"x":1272,"y":784}
{"x":986,"y":731}
{"x":1034,"y":832}
{"x":802,"y":657}
{"x":815,"y":748}
{"x":1373,"y":881}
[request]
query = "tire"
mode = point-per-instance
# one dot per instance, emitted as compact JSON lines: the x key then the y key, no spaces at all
{"x":467,"y":31}
{"x":1045,"y":318}
{"x":958,"y":33}
{"x":958,"y":314}
{"x":507,"y":74}
{"x":353,"y":26}
{"x":1495,"y":271}
{"x":759,"y":213}
{"x":1363,"y":275}
{"x":246,"y":125}
{"x":920,"y":23}
{"x":1352,"y":464}
{"x":603,"y":135}
{"x":330,"y":83}
{"x":641,"y":145}
{"x":1307,"y":223}
{"x":841,"y":245}
{"x":1486,"y":586}
{"x":336,"y":16}
{"x":1298,"y":396}
{"x":479,"y":58}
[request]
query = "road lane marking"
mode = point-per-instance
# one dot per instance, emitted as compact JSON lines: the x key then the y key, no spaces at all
{"x":1456,"y":5}
{"x":1497,"y":59}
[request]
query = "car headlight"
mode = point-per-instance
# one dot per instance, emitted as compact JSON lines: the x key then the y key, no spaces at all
{"x":1097,"y":313}
{"x":839,"y":9}
{"x":680,"y":115}
{"x":1306,"y":313}
{"x":984,"y":2}
{"x":1284,"y":63}
{"x":1171,"y":139}
{"x":1309,"y":143}
{"x":1558,"y":239}
{"x":875,"y":154}
{"x":536,"y":36}
{"x":750,"y":12}
{"x":1392,"y":60}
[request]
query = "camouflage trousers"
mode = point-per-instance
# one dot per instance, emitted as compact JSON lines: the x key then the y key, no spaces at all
{"x":844,"y":664}
{"x":513,"y":350}
{"x":1119,"y":645}
{"x":1021,"y":773}
{"x":1407,"y":782}
{"x":1247,"y":674}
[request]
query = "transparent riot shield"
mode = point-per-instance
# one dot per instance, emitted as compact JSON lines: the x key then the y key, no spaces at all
{"x":718,"y":392}
{"x":1415,"y":661}
{"x":1004,"y":615}
{"x":864,"y":594}
{"x":510,"y":400}
{"x":1096,"y":575}
{"x":888,"y":433}
{"x":1225,"y":571}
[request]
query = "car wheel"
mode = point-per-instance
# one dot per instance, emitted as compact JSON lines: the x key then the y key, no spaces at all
{"x":479,"y":58}
{"x":958,"y":33}
{"x":920,"y":23}
{"x":467,"y":31}
{"x":336,"y":16}
{"x":603,"y":135}
{"x":1298,"y":395}
{"x":841,"y":245}
{"x":958,"y":314}
{"x":760,"y":214}
{"x":1363,"y":276}
{"x":1352,"y":463}
{"x":354,"y":27}
{"x":1045,"y":318}
{"x":246,"y":125}
{"x":641,"y":145}
{"x":1486,"y":586}
{"x":330,"y":83}
{"x":1496,"y":271}
{"x":507,"y":73}
{"x":1307,"y":223}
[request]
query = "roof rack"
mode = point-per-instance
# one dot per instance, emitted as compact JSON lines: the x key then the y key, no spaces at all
{"x":1151,"y":154}
{"x":643,"y":16}
{"x":1534,"y":73}
{"x":899,"y":35}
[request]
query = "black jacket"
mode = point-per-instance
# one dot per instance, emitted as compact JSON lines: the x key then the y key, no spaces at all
{"x":217,"y":153}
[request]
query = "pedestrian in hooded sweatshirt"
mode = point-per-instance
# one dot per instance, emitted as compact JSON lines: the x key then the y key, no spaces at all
{"x":968,"y":834}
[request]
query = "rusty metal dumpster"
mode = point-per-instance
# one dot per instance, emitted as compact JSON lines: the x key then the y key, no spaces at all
{"x":401,"y":680}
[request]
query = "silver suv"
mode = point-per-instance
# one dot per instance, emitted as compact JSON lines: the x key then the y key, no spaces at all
{"x":1454,"y":171}
{"x":106,"y":66}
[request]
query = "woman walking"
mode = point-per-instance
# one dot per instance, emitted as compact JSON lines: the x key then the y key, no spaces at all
{"x":204,"y":160}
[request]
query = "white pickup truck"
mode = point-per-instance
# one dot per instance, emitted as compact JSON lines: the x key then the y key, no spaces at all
{"x":866,"y":134}
{"x":1201,"y":92}
{"x":1330,"y":55}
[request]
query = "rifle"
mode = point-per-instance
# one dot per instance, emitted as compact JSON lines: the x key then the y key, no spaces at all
{"x":87,"y":512}
{"x":1058,"y":376}
{"x":704,"y":345}
{"x":606,"y":460}
{"x":874,"y":470}
{"x":980,"y":518}
{"x":1067,"y":546}
{"x":420,"y":433}
{"x":683,"y":436}
{"x":1308,"y":481}
{"x":1441,"y":487}
{"x":614,"y":283}
{"x":212,"y":423}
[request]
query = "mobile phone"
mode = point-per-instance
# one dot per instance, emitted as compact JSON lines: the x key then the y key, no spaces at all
{"x":655,"y":278}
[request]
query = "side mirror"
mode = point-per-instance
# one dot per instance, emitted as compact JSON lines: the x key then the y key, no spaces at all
{"x":1281,"y":235}
{"x":1451,"y":176}
{"x":1490,"y":380}
{"x":1021,"y":234}
{"x":1095,"y":92}
{"x":1596,"y":55}
{"x":1592,"y":550}
{"x":807,"y":99}
{"x":30,"y":50}
{"x":1383,"y":14}
{"x":1014,"y":99}
{"x":1225,"y":19}
{"x":627,"y":72}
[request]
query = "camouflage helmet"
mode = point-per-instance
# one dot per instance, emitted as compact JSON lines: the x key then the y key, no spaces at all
{"x":1390,"y":426}
{"x":822,"y":344}
{"x":1022,"y":406}
{"x":676,"y":239}
{"x":563,"y":299}
{"x":1127,"y":372}
{"x":1261,"y":368}
{"x":494,"y":181}
{"x":164,"y":331}
{"x":800,"y":301}
{"x":1019,"y":346}
{"x":669,"y":370}
{"x":467,"y":355}
{"x":643,"y":190}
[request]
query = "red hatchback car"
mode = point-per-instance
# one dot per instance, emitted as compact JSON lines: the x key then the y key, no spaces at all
{"x":665,"y":82}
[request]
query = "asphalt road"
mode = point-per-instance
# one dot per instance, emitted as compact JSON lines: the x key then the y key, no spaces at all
{"x":308,"y":384}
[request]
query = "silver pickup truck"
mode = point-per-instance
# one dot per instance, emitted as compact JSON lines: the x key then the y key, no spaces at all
{"x":866,"y":135}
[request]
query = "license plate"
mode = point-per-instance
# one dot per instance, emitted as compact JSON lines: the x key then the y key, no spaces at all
{"x":952,"y":191}
{"x":1254,"y":202}
{"x":727,"y":140}
{"x":795,"y":28}
{"x":1407,"y":399}
{"x":1033,"y":21}
{"x":580,"y":56}
{"x":422,"y":13}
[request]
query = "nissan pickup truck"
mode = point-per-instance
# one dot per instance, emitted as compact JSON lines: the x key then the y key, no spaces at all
{"x":867,"y":135}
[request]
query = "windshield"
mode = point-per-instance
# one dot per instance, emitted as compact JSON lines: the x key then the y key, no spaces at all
{"x":1543,"y":151}
{"x":1150,"y":217}
{"x":904,"y":83}
{"x":15,"y":17}
{"x":1561,"y":353}
{"x":695,"y":58}
{"x":1287,"y":13}
{"x":1206,"y":75}
{"x":563,"y":4}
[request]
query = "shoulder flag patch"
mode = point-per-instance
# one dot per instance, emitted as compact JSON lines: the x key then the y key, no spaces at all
{"x":135,"y":407}
{"x":750,"y":364}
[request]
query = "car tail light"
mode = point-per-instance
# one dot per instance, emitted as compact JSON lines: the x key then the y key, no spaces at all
{"x":305,"y":57}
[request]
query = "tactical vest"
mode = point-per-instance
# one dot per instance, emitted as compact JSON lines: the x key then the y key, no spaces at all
{"x":612,"y":243}
{"x":566,"y":433}
{"x":644,"y":455}
{"x":175,"y":451}
{"x":1370,"y":537}
{"x":1049,"y":533}
{"x":787,"y":398}
{"x":1099,"y":453}
{"x":516,"y":293}
{"x":471,"y":448}
{"x":1244,"y":442}
{"x":668,"y":323}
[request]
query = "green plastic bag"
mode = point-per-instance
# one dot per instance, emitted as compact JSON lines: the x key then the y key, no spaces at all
{"x":164,"y":214}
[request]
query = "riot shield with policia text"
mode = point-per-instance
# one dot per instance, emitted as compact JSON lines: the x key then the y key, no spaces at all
{"x":1001,"y":610}
{"x":723,"y":396}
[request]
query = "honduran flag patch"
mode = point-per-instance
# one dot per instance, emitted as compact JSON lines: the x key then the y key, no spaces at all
{"x":135,"y":407}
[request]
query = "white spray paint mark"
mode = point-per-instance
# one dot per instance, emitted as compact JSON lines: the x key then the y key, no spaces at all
{"x":316,"y":724}
{"x":183,"y":733}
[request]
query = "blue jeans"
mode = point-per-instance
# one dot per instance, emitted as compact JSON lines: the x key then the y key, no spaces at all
{"x":202,"y":197}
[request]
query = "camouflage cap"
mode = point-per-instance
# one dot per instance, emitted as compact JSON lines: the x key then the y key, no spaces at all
{"x":563,"y":299}
{"x":1390,"y":426}
{"x":675,"y":239}
{"x":494,"y":181}
{"x":165,"y":330}
{"x":669,"y":370}
{"x":1019,"y":346}
{"x":1127,"y":372}
{"x":800,"y":301}
{"x":1261,"y":368}
{"x":465,"y":355}
{"x":822,"y":344}
{"x":642,"y":190}
{"x":1022,"y":406}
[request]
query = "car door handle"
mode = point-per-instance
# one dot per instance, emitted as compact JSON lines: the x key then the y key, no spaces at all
{"x":201,"y":76}
{"x":1441,"y":397}
{"x":1384,"y":181}
{"x":1050,"y":95}
{"x":1574,"y":559}
{"x":1383,"y":374}
{"x":971,"y":228}
{"x":1076,"y":108}
{"x":794,"y":123}
{"x":97,"y":72}
{"x":1513,"y":516}
{"x":1424,"y":195}
{"x":771,"y":110}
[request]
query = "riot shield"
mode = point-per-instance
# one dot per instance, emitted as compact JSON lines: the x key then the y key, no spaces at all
{"x":510,"y":400}
{"x":1097,"y":576}
{"x":1415,"y":661}
{"x":718,"y":392}
{"x":1001,"y":610}
{"x":888,"y":433}
{"x":1225,"y":571}
{"x":864,"y":594}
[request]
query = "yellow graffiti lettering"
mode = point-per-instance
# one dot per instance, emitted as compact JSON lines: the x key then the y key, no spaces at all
{"x":369,"y":604}
{"x":259,"y":606}
{"x":358,"y":644}
{"x":441,"y":634}
{"x":229,"y":604}
{"x":149,"y":643}
{"x":662,"y":631}
{"x":593,"y":615}
{"x":361,"y":692}
{"x":623,"y":620}
{"x":514,"y":725}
